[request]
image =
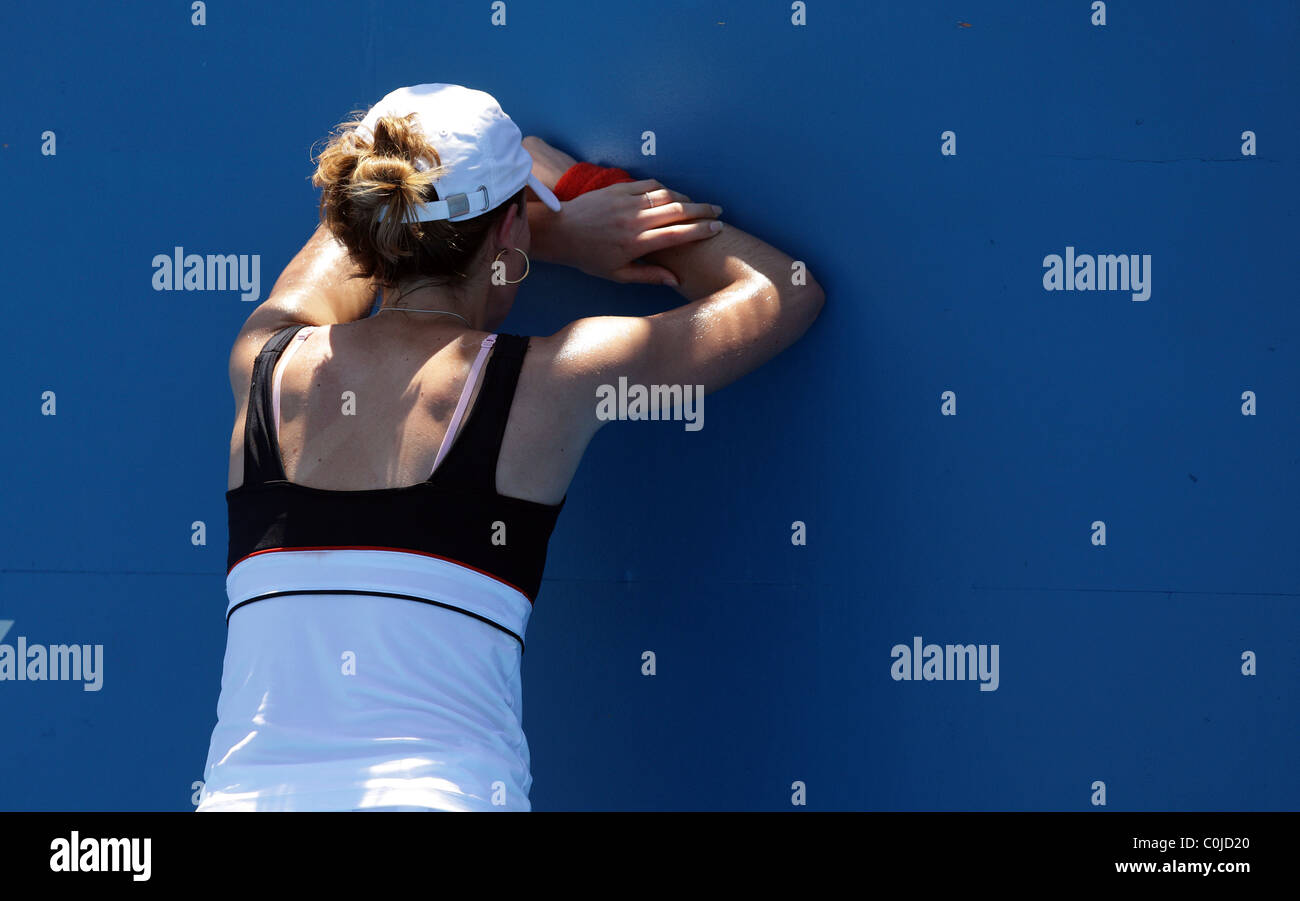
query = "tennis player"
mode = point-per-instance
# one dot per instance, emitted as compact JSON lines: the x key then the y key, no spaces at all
{"x":396,"y":474}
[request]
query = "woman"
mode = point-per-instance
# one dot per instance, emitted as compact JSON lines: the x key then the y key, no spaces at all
{"x":395,"y":477}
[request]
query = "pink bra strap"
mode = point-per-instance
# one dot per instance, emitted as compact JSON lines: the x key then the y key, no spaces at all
{"x":448,"y":438}
{"x":282,"y":365}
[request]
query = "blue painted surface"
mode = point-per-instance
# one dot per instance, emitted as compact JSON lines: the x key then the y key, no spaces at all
{"x":1119,"y":663}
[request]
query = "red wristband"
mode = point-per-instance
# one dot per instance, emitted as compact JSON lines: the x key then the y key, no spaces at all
{"x":583,"y":177}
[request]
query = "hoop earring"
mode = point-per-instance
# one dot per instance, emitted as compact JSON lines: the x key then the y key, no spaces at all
{"x":527,"y":265}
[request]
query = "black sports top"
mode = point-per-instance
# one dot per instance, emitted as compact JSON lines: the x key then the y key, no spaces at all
{"x":450,"y":515}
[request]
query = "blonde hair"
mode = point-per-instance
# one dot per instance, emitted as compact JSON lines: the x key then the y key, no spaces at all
{"x":361,"y":174}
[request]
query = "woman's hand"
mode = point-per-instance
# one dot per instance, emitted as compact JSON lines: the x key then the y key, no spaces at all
{"x":605,"y":232}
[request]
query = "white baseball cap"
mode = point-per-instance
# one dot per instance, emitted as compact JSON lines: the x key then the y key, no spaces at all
{"x":480,"y":146}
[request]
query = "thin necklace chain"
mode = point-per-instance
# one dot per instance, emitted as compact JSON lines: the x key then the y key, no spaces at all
{"x":410,"y":310}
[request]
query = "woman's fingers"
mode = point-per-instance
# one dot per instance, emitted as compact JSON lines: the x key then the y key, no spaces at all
{"x":676,"y":211}
{"x":668,"y":195}
{"x":659,"y":194}
{"x":672,"y":235}
{"x":638,"y":187}
{"x":659,"y":197}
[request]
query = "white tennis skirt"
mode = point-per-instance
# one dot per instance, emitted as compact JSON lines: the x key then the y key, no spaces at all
{"x":357,"y":702}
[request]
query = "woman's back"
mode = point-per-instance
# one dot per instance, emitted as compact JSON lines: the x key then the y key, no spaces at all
{"x":343,"y":694}
{"x":366,"y":405}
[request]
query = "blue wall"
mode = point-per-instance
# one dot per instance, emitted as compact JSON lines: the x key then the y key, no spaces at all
{"x":1119,"y":663}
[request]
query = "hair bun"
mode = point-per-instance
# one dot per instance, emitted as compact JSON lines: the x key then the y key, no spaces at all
{"x":381,"y":173}
{"x":372,"y":178}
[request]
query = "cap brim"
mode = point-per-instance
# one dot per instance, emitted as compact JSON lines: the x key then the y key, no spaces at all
{"x":544,"y":194}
